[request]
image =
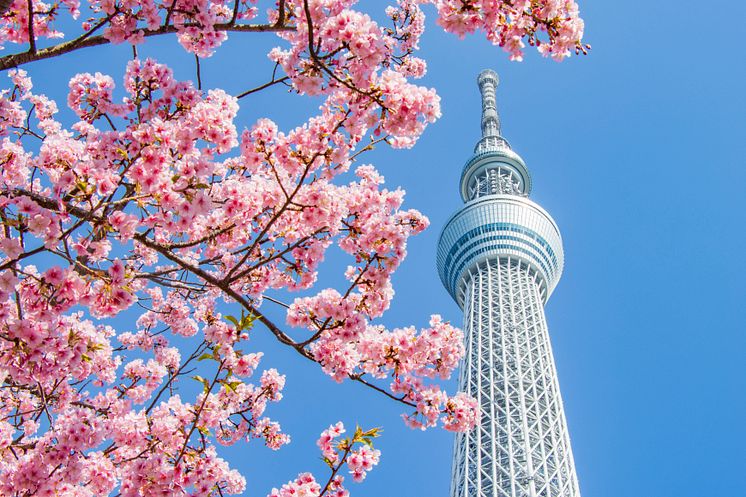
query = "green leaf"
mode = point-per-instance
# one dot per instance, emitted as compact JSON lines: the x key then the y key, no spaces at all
{"x":373,"y":433}
{"x":247,"y":322}
{"x":205,"y":383}
{"x":230,"y":385}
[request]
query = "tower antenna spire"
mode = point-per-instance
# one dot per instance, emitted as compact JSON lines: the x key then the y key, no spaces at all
{"x":491,"y":128}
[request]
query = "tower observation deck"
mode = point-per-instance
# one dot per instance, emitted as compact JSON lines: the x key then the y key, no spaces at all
{"x":500,"y":257}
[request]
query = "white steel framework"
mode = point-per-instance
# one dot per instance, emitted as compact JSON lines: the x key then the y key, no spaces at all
{"x":500,"y":257}
{"x":521,"y":446}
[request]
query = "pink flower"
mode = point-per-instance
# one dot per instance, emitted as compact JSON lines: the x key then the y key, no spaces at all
{"x":327,"y":440}
{"x":11,"y":247}
{"x":303,"y":486}
{"x":361,"y":461}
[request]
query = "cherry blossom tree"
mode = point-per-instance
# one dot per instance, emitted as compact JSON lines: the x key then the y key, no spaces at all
{"x":154,"y":203}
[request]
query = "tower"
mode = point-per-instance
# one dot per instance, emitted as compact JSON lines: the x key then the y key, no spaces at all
{"x":500,"y":257}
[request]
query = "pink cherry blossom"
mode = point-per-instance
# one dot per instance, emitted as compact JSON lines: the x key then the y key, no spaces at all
{"x":361,"y":461}
{"x":303,"y":486}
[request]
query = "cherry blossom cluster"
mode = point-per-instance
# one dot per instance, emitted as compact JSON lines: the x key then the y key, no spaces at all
{"x":356,"y":452}
{"x":160,"y":214}
{"x":349,"y":346}
{"x":554,"y":27}
{"x":348,"y":40}
{"x":304,"y":485}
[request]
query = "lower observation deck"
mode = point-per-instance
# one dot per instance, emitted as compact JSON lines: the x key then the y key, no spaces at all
{"x":498,"y":226}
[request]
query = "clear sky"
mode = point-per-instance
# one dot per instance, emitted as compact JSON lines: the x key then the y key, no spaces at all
{"x":637,"y":151}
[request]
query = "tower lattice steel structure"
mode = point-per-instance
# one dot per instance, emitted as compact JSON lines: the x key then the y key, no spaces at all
{"x":500,"y":257}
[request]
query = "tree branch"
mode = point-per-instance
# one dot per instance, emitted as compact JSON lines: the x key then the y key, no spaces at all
{"x":85,"y":41}
{"x":4,"y":6}
{"x":199,"y":72}
{"x":212,"y":280}
{"x":262,"y":87}
{"x":31,"y":35}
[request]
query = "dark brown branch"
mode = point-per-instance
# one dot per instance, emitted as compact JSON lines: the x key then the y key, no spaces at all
{"x":278,"y":255}
{"x":235,"y":13}
{"x":323,"y":67}
{"x":272,"y":327}
{"x":262,"y":87}
{"x":85,"y":41}
{"x":206,"y":238}
{"x":281,"y":14}
{"x":31,"y":35}
{"x":199,"y":72}
{"x":169,"y":13}
{"x":197,"y":414}
{"x":4,"y":6}
{"x":210,"y":279}
{"x":337,"y":467}
{"x":277,"y":215}
{"x":175,"y":375}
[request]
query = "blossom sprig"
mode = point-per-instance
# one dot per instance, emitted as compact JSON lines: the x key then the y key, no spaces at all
{"x":356,"y":452}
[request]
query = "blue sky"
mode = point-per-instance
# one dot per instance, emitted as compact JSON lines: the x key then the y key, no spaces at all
{"x":637,"y":151}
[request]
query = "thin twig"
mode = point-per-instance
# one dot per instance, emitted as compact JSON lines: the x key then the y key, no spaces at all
{"x":262,"y":87}
{"x":31,"y":36}
{"x":5,"y":5}
{"x":281,"y":14}
{"x":199,"y":75}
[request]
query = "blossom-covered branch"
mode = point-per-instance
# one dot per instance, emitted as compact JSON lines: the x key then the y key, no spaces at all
{"x":553,"y":26}
{"x":355,"y":452}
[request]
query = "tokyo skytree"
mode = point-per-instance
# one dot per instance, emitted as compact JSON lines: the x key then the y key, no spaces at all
{"x":500,"y":257}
